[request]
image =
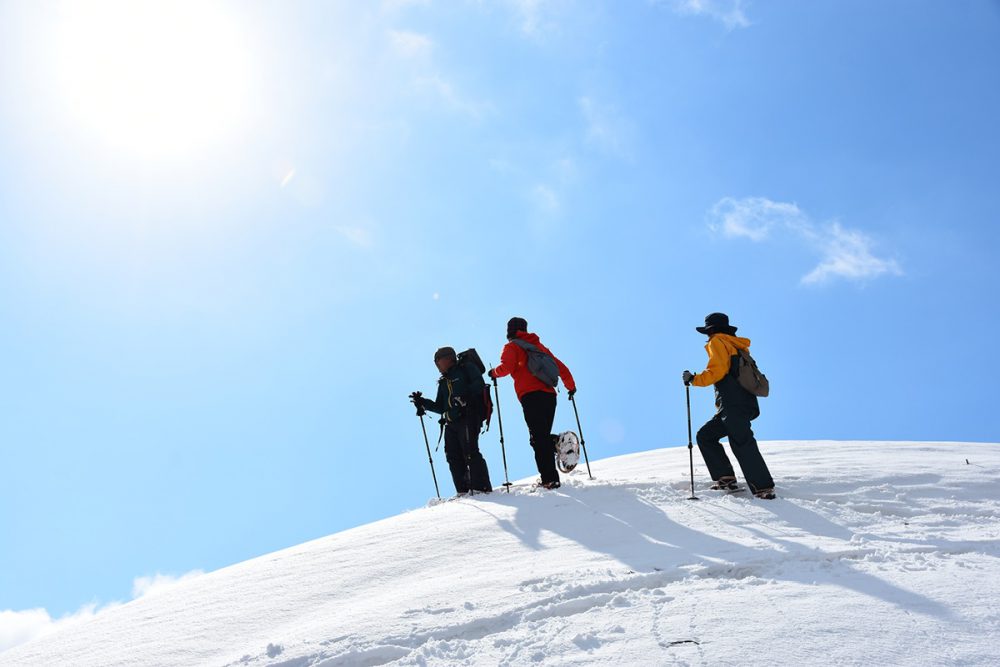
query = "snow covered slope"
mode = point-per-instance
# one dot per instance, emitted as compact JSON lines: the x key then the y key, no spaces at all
{"x":874,"y":553}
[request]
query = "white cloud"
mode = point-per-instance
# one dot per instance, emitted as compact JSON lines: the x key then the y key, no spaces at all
{"x":19,"y":627}
{"x":545,"y":199}
{"x":529,"y":15}
{"x":552,"y":188}
{"x":848,"y":254}
{"x":752,"y":218}
{"x":845,"y":253}
{"x":453,"y":99}
{"x":728,"y":12}
{"x":417,"y":51}
{"x":607,"y":128}
{"x":539,"y":19}
{"x":411,"y":45}
{"x":157,"y":583}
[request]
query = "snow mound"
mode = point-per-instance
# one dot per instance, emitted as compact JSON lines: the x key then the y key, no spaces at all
{"x":873,"y":553}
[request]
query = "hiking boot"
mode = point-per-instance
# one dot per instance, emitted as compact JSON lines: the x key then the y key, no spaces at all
{"x":764,"y":494}
{"x":551,"y":485}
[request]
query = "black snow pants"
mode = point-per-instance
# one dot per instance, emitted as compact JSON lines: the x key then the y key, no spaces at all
{"x":734,"y":424}
{"x":539,"y":414}
{"x":467,"y":465}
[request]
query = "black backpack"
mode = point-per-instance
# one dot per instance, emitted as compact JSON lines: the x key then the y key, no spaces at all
{"x":474,"y":368}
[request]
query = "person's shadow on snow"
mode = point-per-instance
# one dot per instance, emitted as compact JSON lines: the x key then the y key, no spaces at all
{"x":641,"y":536}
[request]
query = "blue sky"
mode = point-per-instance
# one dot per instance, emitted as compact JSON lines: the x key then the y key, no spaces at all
{"x":227,"y":255}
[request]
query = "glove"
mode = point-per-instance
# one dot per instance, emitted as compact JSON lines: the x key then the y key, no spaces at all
{"x":687,"y":376}
{"x":493,"y":375}
{"x":572,"y":393}
{"x":417,"y":399}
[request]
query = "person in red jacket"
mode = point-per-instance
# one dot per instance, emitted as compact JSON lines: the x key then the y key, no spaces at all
{"x":537,"y":394}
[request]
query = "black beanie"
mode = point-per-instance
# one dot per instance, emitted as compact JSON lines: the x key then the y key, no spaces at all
{"x":444,"y":352}
{"x":516,"y":324}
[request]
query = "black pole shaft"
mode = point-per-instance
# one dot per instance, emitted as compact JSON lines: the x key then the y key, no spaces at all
{"x":429,"y":457}
{"x":583,"y":443}
{"x":687,"y":391}
{"x":503,"y":451}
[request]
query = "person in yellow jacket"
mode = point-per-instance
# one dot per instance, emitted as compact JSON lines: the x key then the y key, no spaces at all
{"x":735,"y":409}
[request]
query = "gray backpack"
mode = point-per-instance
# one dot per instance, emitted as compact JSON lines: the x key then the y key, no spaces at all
{"x":749,"y":376}
{"x":541,"y":365}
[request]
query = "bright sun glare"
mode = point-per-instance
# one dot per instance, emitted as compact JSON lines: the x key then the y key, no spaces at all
{"x":154,"y":77}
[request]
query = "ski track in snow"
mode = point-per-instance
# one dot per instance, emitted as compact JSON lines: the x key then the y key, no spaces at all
{"x":851,"y":565}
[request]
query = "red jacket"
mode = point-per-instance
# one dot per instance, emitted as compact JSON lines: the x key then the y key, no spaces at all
{"x":514,"y":362}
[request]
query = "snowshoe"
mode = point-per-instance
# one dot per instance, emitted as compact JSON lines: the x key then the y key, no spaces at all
{"x":764,"y":494}
{"x":727,"y":484}
{"x":545,"y":486}
{"x":567,"y":451}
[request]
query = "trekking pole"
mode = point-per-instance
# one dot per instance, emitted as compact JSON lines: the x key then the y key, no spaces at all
{"x":583,"y":444}
{"x":503,"y":451}
{"x":687,"y":390}
{"x":429,"y":457}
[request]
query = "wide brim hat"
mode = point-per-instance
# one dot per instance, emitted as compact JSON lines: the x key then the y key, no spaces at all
{"x":716,"y":323}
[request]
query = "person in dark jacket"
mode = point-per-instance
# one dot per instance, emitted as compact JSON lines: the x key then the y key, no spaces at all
{"x":735,"y":409}
{"x":461,"y":406}
{"x":538,"y":399}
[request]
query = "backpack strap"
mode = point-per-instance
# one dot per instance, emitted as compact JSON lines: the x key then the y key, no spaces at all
{"x":525,"y":345}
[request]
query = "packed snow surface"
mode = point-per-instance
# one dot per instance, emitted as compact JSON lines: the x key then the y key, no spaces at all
{"x":874,"y":553}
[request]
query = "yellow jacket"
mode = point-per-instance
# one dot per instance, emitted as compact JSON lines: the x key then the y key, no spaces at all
{"x":721,"y":348}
